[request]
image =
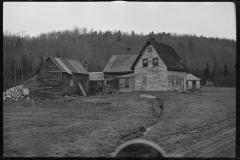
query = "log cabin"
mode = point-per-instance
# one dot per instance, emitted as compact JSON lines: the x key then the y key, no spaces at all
{"x":159,"y":68}
{"x":59,"y":77}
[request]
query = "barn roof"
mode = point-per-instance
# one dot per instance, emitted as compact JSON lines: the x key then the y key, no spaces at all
{"x":191,"y":77}
{"x":167,"y":54}
{"x":120,"y":63}
{"x":69,"y":65}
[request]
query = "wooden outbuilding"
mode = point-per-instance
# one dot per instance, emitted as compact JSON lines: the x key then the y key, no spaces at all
{"x":127,"y":83}
{"x":193,"y":82}
{"x":59,"y":77}
{"x":96,"y":82}
{"x":118,"y":65}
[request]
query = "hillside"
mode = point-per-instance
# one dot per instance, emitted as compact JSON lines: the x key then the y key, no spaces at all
{"x":23,"y":56}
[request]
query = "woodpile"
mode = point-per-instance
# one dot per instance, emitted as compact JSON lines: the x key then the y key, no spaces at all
{"x":14,"y":93}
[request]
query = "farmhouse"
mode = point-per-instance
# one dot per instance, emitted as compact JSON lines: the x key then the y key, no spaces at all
{"x":193,"y":82}
{"x":159,"y":68}
{"x":59,"y":77}
{"x":118,"y":65}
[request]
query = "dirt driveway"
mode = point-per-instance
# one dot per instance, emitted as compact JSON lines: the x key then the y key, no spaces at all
{"x":192,"y":125}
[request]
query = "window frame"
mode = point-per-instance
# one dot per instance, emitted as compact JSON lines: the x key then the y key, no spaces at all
{"x":126,"y":82}
{"x":144,"y":80}
{"x":155,"y":64}
{"x":145,"y":63}
{"x":150,"y":49}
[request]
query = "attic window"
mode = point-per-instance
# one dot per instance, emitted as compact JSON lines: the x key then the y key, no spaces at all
{"x":145,"y":62}
{"x":149,"y":49}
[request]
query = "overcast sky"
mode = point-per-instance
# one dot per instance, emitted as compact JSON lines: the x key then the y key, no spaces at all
{"x":214,"y":19}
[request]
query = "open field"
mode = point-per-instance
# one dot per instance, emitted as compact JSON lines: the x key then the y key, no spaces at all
{"x":194,"y":124}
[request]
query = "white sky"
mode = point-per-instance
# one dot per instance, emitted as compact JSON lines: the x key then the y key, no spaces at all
{"x":214,"y":19}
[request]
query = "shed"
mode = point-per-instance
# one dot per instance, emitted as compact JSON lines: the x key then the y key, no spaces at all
{"x":193,"y":82}
{"x":127,"y":83}
{"x":118,"y":65}
{"x":96,"y":82}
{"x":60,"y":76}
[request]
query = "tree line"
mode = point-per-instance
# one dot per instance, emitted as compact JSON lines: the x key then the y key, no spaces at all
{"x":23,"y":56}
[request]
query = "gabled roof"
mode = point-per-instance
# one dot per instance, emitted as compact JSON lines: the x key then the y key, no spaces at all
{"x":167,"y":54}
{"x":191,"y":77}
{"x":70,"y":66}
{"x":120,"y":64}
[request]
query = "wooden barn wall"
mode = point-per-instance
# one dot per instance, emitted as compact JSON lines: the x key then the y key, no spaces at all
{"x":50,"y":81}
{"x":82,"y":78}
{"x":173,"y":85}
{"x":123,"y":87}
{"x":156,"y":76}
{"x":32,"y":86}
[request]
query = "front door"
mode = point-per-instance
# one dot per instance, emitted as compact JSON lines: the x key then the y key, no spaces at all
{"x":194,"y":85}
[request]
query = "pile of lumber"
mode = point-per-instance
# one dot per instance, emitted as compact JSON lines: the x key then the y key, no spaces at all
{"x":14,"y":93}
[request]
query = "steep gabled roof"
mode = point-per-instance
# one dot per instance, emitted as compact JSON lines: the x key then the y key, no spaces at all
{"x":167,"y":54}
{"x":69,"y":65}
{"x":120,"y":64}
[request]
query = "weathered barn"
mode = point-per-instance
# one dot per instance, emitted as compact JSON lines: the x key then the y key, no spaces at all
{"x":127,"y":83}
{"x":193,"y":82}
{"x":59,"y":77}
{"x":96,"y":82}
{"x":117,"y":66}
{"x":159,"y":68}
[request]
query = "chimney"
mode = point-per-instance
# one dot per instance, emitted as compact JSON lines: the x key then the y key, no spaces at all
{"x":153,"y":39}
{"x":128,"y":50}
{"x":86,"y":65}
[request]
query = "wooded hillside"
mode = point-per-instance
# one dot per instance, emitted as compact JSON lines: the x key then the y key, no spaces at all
{"x":23,"y":55}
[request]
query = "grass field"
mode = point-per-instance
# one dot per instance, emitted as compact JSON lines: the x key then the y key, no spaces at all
{"x":96,"y":126}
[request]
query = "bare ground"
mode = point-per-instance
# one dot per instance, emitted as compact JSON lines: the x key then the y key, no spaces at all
{"x":193,"y":124}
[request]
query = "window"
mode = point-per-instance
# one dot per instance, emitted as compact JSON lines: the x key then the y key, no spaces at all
{"x":144,"y":79}
{"x":155,"y":61}
{"x":108,"y":84}
{"x":145,"y":62}
{"x":127,"y":83}
{"x":173,"y":79}
{"x":149,"y":49}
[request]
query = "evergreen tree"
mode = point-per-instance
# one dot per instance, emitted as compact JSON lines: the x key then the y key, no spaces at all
{"x":207,"y":72}
{"x":190,"y":44}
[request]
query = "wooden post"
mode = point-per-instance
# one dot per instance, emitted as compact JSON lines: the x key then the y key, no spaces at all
{"x":33,"y":104}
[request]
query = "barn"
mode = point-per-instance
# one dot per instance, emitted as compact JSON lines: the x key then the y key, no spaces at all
{"x":193,"y":82}
{"x":118,"y":65}
{"x":59,"y":77}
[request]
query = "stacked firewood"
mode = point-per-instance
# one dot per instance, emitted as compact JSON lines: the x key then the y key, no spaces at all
{"x":14,"y":93}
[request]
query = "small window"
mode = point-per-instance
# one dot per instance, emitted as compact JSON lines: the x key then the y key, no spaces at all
{"x":145,"y":62}
{"x":155,"y":61}
{"x":149,"y":49}
{"x":144,"y":80}
{"x":127,"y":83}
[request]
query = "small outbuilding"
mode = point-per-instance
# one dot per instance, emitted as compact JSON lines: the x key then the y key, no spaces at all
{"x":60,"y":76}
{"x":127,"y":83}
{"x":193,"y":82}
{"x":96,"y":82}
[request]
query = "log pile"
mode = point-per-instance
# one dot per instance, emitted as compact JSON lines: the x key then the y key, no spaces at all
{"x":14,"y":93}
